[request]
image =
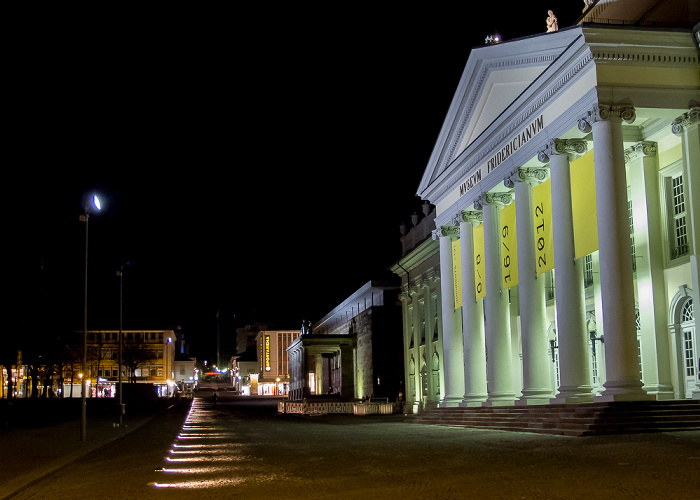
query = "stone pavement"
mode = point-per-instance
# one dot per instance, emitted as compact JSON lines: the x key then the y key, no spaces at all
{"x":31,"y":454}
{"x":250,"y":451}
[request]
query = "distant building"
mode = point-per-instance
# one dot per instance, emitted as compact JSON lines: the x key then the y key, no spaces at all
{"x":273,"y":362}
{"x":353,"y":352}
{"x":244,"y":370}
{"x":148,"y":356}
{"x":185,"y":371}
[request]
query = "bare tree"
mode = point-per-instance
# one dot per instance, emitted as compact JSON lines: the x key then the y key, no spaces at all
{"x":135,"y":353}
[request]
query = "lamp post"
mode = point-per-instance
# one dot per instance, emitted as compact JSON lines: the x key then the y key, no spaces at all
{"x":95,"y":205}
{"x":120,"y":273}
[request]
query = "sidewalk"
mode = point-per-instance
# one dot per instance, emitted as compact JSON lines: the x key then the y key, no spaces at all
{"x":30,"y":454}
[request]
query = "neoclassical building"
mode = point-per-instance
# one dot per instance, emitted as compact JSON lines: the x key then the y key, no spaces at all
{"x":353,"y":352}
{"x":419,"y":270}
{"x":566,"y":186}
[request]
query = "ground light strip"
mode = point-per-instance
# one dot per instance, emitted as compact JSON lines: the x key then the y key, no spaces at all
{"x":198,"y":426}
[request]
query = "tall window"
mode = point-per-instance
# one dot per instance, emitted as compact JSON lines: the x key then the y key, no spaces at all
{"x":588,"y":270}
{"x":631,"y":222}
{"x":674,"y":214}
{"x":639,"y":345}
{"x":680,"y":231}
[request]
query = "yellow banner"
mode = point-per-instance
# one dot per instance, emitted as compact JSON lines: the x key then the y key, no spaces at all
{"x":509,"y":247}
{"x":479,"y":265}
{"x":583,"y":205}
{"x":457,"y":272}
{"x":542,"y":212}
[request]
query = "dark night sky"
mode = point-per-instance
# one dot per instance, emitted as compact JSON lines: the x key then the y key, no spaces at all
{"x":257,"y":162}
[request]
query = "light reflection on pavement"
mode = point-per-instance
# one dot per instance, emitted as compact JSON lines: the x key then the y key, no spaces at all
{"x":202,"y":425}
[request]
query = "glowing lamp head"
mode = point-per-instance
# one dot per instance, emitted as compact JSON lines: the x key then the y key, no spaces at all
{"x":96,"y":202}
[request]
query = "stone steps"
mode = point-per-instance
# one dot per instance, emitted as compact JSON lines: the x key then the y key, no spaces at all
{"x":586,"y":419}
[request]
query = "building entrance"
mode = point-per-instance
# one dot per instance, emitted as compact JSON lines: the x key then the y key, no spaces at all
{"x":690,"y":359}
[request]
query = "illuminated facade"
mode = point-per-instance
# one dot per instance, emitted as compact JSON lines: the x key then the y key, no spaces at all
{"x":566,"y":181}
{"x":419,"y":269}
{"x":353,"y":352}
{"x":148,"y":357}
{"x":273,"y":362}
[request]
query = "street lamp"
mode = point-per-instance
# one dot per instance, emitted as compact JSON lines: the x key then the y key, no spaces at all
{"x":90,"y":207}
{"x":120,"y":273}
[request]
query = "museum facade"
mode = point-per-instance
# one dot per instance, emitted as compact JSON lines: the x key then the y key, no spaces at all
{"x":566,"y":186}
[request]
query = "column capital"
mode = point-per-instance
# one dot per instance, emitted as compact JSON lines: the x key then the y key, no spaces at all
{"x":603,"y":112}
{"x":640,"y":150}
{"x":446,"y":231}
{"x":684,"y":121}
{"x":493,"y":199}
{"x":472,"y":216}
{"x":562,"y":147}
{"x":530,"y":175}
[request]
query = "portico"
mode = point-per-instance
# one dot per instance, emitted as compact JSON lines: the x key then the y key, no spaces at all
{"x":570,"y":160}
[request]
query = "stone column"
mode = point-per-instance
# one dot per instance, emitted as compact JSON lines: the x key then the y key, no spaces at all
{"x":572,"y":337}
{"x":498,"y":342}
{"x":475,"y":390}
{"x":616,"y":278}
{"x":410,"y":344}
{"x":687,"y":127}
{"x":453,"y":350}
{"x":643,"y":167}
{"x":537,"y":387}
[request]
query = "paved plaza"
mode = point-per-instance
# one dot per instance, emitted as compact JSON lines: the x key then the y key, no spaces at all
{"x":243,"y":448}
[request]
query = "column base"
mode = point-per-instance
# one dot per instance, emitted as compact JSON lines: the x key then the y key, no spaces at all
{"x":473,"y":400}
{"x":532,"y":399}
{"x":573,"y":395}
{"x":623,"y":391}
{"x":450,"y":402}
{"x":500,"y":400}
{"x":660,"y":392}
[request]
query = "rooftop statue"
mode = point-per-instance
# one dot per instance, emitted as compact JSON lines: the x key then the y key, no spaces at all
{"x":552,"y":23}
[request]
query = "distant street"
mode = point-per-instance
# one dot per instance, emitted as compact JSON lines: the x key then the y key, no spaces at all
{"x":243,"y":448}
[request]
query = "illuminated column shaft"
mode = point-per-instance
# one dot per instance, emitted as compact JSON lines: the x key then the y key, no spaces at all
{"x":498,"y":340}
{"x":475,"y":389}
{"x":648,"y":242}
{"x":537,"y":387}
{"x":453,"y":351}
{"x":574,"y":370}
{"x":616,"y":278}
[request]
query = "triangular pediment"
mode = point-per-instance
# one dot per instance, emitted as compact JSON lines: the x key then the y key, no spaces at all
{"x":499,"y":88}
{"x":493,"y":79}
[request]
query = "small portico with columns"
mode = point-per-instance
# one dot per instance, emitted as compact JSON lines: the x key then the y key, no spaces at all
{"x":568,"y":163}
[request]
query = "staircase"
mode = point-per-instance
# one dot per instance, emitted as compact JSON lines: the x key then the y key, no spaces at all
{"x":588,"y":419}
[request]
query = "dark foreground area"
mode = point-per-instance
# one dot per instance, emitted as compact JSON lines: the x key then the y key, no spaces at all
{"x":242,"y":448}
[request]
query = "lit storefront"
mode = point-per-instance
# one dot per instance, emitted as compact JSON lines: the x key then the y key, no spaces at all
{"x":273,"y":362}
{"x":148,"y":358}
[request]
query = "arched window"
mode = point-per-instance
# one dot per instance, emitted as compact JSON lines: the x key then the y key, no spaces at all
{"x":687,"y":313}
